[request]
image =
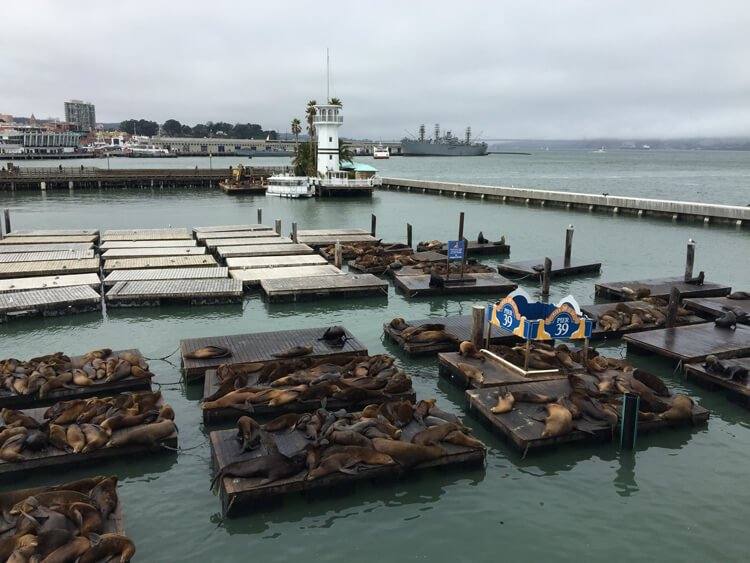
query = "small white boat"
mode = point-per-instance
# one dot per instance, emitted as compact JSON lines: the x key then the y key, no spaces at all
{"x":381,"y":152}
{"x":290,"y":186}
{"x":601,"y":150}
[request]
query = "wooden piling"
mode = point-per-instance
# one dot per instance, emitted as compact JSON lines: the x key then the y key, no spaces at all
{"x":260,"y":216}
{"x":568,"y":244}
{"x":546,"y":275}
{"x":674,"y":303}
{"x":408,"y":235}
{"x":373,"y":224}
{"x":461,"y":226}
{"x":294,"y":232}
{"x":338,"y":255}
{"x":690,"y":260}
{"x":477,"y":325}
{"x":6,"y":213}
{"x":277,"y":226}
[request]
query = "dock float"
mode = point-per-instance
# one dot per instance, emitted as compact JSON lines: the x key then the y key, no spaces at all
{"x":738,"y":389}
{"x":315,"y":287}
{"x":317,"y":241}
{"x":230,"y":228}
{"x":494,"y":374}
{"x":146,"y":234}
{"x":249,"y":262}
{"x":50,"y":302}
{"x":714,"y":307}
{"x":689,"y":344}
{"x":143,"y":252}
{"x":559,"y":267}
{"x":48,"y":247}
{"x":45,"y":256}
{"x":157,"y":292}
{"x":254,"y":276}
{"x":48,"y":268}
{"x":419,"y":285}
{"x":165,"y":274}
{"x":13,"y":239}
{"x":474,"y":248}
{"x":111,"y":244}
{"x":330,"y":232}
{"x":598,"y":333}
{"x":213,"y":235}
{"x":277,"y":249}
{"x":213,"y":243}
{"x":204,"y":260}
{"x":660,"y":287}
{"x":43,"y":282}
{"x":54,"y":232}
{"x":261,"y":347}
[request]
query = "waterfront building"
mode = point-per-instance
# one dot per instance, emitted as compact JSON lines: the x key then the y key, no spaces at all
{"x":222,"y":146}
{"x":35,"y":140}
{"x":83,"y":114}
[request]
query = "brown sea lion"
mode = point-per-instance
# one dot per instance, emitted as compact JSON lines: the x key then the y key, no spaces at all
{"x":345,"y":461}
{"x":35,"y":440}
{"x":87,"y":517}
{"x":739,"y":295}
{"x":399,"y":383}
{"x":271,"y":467}
{"x":149,"y":434}
{"x":406,"y":453}
{"x":283,"y":422}
{"x":460,"y":439}
{"x":108,"y":547}
{"x":398,"y":324}
{"x":50,"y":498}
{"x":50,"y":540}
{"x":431,"y":337}
{"x":233,"y":399}
{"x":422,"y":409}
{"x":17,"y":418}
{"x":248,"y":433}
{"x":75,"y":437}
{"x":473,"y":374}
{"x":208,"y":353}
{"x":467,"y":348}
{"x":11,"y":449}
{"x":652,"y":381}
{"x":400,"y":413}
{"x":104,"y":495}
{"x":504,"y":403}
{"x":349,"y":438}
{"x":96,"y":437}
{"x":433,"y":434}
{"x":559,"y":421}
{"x":680,"y":410}
{"x":10,"y":432}
{"x":69,"y":552}
{"x":294,"y":352}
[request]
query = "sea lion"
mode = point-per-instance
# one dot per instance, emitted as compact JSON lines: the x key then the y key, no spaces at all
{"x":727,"y":320}
{"x":50,"y":498}
{"x":460,"y":439}
{"x":467,"y":348}
{"x":119,"y":421}
{"x":272,"y":467}
{"x":652,"y":381}
{"x":17,"y":418}
{"x":681,"y":409}
{"x":10,"y":432}
{"x":50,"y":540}
{"x":35,"y":440}
{"x":406,"y":453}
{"x":559,"y":421}
{"x":248,"y":433}
{"x":349,"y":438}
{"x":208,"y":353}
{"x":481,"y":239}
{"x":104,"y":495}
{"x":87,"y":517}
{"x":504,"y":403}
{"x":398,"y":324}
{"x":75,"y":438}
{"x":149,"y":434}
{"x":473,"y":374}
{"x":69,"y":552}
{"x":431,"y":337}
{"x":96,"y":437}
{"x":433,"y":434}
{"x":283,"y":422}
{"x":294,"y":352}
{"x":529,"y":397}
{"x":11,"y":449}
{"x":166,"y":412}
{"x":739,"y":295}
{"x":335,"y":335}
{"x":344,"y":461}
{"x":108,"y":546}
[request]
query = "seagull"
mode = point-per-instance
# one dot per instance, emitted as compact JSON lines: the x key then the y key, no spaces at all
{"x":605,"y":194}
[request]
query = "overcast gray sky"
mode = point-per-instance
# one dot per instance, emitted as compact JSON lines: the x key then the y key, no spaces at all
{"x":552,"y":69}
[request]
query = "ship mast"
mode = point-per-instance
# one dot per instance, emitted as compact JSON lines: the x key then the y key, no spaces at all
{"x":437,"y":132}
{"x":468,"y":135}
{"x":421,"y":133}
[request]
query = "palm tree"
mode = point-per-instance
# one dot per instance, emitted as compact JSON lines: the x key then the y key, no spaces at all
{"x":345,"y":153}
{"x":310,"y":112}
{"x":296,"y":130}
{"x":336,"y":102}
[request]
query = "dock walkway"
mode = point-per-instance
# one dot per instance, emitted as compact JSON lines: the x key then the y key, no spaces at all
{"x":155,"y":292}
{"x":48,"y":302}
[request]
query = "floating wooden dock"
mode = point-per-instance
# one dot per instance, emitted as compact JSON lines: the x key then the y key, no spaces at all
{"x":661,"y":287}
{"x":48,"y":268}
{"x":48,"y":247}
{"x":49,"y":302}
{"x":689,"y":344}
{"x":593,"y":312}
{"x":246,"y":241}
{"x":419,"y":285}
{"x":317,"y":241}
{"x":240,"y":494}
{"x":522,"y":428}
{"x":254,"y":276}
{"x":54,"y":232}
{"x":146,"y":234}
{"x":314,"y":287}
{"x":165,"y":274}
{"x":249,"y":262}
{"x":43,"y":282}
{"x":714,"y":307}
{"x":110,"y":244}
{"x":14,"y":257}
{"x":474,"y":248}
{"x":330,"y":232}
{"x":495,"y":374}
{"x":277,"y":249}
{"x":157,"y":292}
{"x":261,"y":347}
{"x":230,"y":228}
{"x":13,"y":239}
{"x":213,"y":235}
{"x":738,"y":391}
{"x":559,"y":267}
{"x":143,"y":252}
{"x":204,"y":260}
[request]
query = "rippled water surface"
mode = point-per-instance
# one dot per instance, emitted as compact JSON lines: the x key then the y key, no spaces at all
{"x":682,"y":495}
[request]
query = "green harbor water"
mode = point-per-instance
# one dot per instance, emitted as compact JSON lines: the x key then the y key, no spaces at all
{"x":680,"y":496}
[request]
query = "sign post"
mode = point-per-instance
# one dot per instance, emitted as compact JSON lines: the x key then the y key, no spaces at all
{"x":456,"y":251}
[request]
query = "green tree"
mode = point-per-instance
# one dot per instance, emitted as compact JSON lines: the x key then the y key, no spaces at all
{"x":310,"y":113}
{"x":140,"y":127}
{"x":345,"y":152}
{"x":172,"y":128}
{"x":336,"y":102}
{"x":304,"y":159}
{"x":296,"y":130}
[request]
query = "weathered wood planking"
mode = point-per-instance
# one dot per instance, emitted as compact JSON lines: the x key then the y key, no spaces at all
{"x":234,"y":234}
{"x":226,"y":228}
{"x":238,"y":494}
{"x":142,"y":252}
{"x":559,"y":267}
{"x":49,"y":256}
{"x":249,"y":262}
{"x":593,"y":312}
{"x":53,"y":232}
{"x":261,"y":347}
{"x":196,"y":291}
{"x":264,"y":250}
{"x":110,"y":244}
{"x":216,"y":242}
{"x":11,"y":239}
{"x":13,"y":401}
{"x":693,"y":343}
{"x":160,"y":262}
{"x":737,"y":390}
{"x":661,"y":287}
{"x":49,"y":302}
{"x":458,"y":326}
{"x":331,"y":232}
{"x":495,"y":374}
{"x":522,"y":426}
{"x":43,"y":282}
{"x":165,"y":274}
{"x":52,"y":457}
{"x":325,"y":240}
{"x":254,"y":276}
{"x":419,"y":286}
{"x":314,"y":287}
{"x":714,"y":307}
{"x":48,"y":247}
{"x":48,"y":268}
{"x":146,"y":234}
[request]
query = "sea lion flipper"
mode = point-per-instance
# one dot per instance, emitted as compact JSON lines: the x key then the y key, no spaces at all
{"x":348,"y":470}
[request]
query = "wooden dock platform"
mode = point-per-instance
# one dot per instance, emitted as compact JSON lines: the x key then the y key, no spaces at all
{"x":317,"y":241}
{"x":146,"y":234}
{"x":48,"y":268}
{"x":50,"y":302}
{"x":143,"y":252}
{"x":315,"y":287}
{"x":241,"y":494}
{"x":474,"y":248}
{"x":419,"y":285}
{"x":205,"y":260}
{"x":166,"y":274}
{"x":13,"y":239}
{"x":246,"y":241}
{"x":689,"y":344}
{"x":593,"y":312}
{"x":53,"y":232}
{"x":48,"y":247}
{"x":15,"y":257}
{"x":738,"y":391}
{"x":494,"y":373}
{"x":330,"y":232}
{"x":261,"y":347}
{"x":213,"y":235}
{"x":276,"y":249}
{"x":714,"y":307}
{"x":230,"y":228}
{"x":249,"y":262}
{"x":661,"y":287}
{"x":559,"y":267}
{"x":43,"y":282}
{"x":111,"y":244}
{"x":157,"y":292}
{"x":254,"y":276}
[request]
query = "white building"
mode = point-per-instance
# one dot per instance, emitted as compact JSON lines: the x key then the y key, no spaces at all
{"x":327,"y":121}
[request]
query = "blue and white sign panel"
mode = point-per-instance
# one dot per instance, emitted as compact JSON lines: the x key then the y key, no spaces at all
{"x":456,"y":249}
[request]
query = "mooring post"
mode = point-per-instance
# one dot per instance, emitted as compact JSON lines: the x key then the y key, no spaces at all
{"x":568,"y":244}
{"x":6,"y":213}
{"x":408,"y":235}
{"x":689,"y":260}
{"x":373,"y":224}
{"x":337,"y":255}
{"x":546,"y":274}
{"x":629,"y":420}
{"x":477,"y":325}
{"x":260,"y":216}
{"x":674,"y":303}
{"x":294,"y":233}
{"x":461,"y":226}
{"x":277,"y":226}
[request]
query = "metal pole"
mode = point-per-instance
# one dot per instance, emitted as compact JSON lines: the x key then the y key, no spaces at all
{"x":6,"y":213}
{"x":546,"y":274}
{"x":629,"y":420}
{"x":277,"y":226}
{"x":408,"y":235}
{"x":260,"y":216}
{"x":689,"y":260}
{"x":568,"y":244}
{"x":294,"y":232}
{"x":477,"y":325}
{"x":337,"y":255}
{"x":373,"y":224}
{"x":461,"y":225}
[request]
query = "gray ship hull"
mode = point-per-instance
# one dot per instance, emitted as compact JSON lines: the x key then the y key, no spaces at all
{"x":416,"y":148}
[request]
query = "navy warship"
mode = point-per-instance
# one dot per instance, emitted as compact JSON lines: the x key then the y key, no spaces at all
{"x":446,"y":145}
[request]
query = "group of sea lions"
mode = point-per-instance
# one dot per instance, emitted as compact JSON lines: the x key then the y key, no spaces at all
{"x":273,"y":384}
{"x":428,"y":333}
{"x":626,"y":316}
{"x":39,"y":376}
{"x":398,"y":433}
{"x":379,"y":258}
{"x":86,"y":425}
{"x":65,"y":523}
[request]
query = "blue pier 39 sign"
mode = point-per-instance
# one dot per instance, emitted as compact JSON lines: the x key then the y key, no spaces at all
{"x":456,"y":249}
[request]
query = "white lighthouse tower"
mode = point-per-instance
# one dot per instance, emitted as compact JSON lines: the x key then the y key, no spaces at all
{"x":327,"y":121}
